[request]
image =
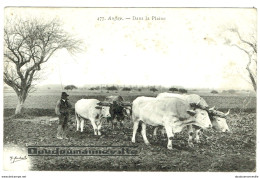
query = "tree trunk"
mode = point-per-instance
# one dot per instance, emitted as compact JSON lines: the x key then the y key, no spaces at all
{"x":21,"y":99}
{"x":19,"y":107}
{"x":253,"y":80}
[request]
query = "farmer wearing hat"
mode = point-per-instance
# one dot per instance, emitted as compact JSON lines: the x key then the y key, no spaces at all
{"x":62,"y":110}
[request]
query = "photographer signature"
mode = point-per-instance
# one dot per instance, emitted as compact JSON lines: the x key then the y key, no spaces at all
{"x":14,"y":159}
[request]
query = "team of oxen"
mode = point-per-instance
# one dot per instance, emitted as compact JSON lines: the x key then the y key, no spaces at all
{"x":169,"y":112}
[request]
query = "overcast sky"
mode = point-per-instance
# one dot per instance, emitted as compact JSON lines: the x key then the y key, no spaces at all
{"x":186,"y":49}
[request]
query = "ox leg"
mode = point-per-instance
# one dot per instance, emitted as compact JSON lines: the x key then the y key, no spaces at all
{"x":135,"y":127}
{"x":155,"y":132}
{"x":121,"y":124}
{"x":190,"y":132}
{"x":99,"y":124}
{"x":99,"y":128}
{"x":114,"y":123}
{"x":197,"y":137}
{"x":94,"y":127}
{"x":77,"y":121}
{"x":170,"y":136}
{"x":81,"y":125}
{"x":163,"y":132}
{"x":143,"y":132}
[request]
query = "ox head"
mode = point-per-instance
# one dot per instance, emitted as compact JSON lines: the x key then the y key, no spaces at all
{"x":117,"y":110}
{"x":104,"y":109}
{"x":200,"y":114}
{"x":127,"y":111}
{"x":201,"y":118}
{"x":218,"y":120}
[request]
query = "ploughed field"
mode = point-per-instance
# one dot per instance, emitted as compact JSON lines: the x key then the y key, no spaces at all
{"x":235,"y":151}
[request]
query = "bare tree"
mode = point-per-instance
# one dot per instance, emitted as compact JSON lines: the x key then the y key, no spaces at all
{"x":70,"y":87}
{"x":247,"y":44}
{"x":28,"y":44}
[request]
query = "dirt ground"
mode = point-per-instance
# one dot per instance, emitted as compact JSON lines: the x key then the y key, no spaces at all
{"x":235,"y":151}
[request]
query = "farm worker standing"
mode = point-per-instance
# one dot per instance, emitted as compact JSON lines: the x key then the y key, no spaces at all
{"x":62,"y":110}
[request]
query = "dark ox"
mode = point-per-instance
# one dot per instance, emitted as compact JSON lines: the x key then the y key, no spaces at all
{"x":119,"y":110}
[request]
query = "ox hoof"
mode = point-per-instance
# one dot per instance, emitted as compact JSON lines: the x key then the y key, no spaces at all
{"x":197,"y":140}
{"x":133,"y":141}
{"x":169,"y":147}
{"x":147,"y":144}
{"x":191,"y":145}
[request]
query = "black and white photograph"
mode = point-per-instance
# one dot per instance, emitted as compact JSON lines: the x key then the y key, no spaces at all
{"x":130,"y":89}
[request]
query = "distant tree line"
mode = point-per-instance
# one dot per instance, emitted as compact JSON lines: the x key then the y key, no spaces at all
{"x":147,"y":88}
{"x":180,"y":90}
{"x":126,"y":89}
{"x":95,"y":88}
{"x":141,"y":88}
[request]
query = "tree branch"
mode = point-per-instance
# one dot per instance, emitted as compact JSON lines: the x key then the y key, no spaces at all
{"x":250,"y":49}
{"x":244,"y":41}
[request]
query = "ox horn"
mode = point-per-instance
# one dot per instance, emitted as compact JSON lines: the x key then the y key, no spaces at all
{"x":103,"y":104}
{"x":227,"y":113}
{"x":126,"y":104}
{"x":211,"y":109}
{"x":98,"y":107}
{"x":191,"y":112}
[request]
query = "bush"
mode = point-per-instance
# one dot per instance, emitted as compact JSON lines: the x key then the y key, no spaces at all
{"x":214,"y":92}
{"x":173,"y":89}
{"x":182,"y":90}
{"x":94,"y":88}
{"x":126,"y":89}
{"x":112,"y":88}
{"x":153,"y":89}
{"x":70,"y":87}
{"x":139,"y":89}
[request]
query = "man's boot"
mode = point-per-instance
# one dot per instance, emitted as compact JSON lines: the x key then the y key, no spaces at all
{"x":59,"y":132}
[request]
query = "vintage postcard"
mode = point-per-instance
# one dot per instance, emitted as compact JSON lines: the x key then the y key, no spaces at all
{"x":130,"y":89}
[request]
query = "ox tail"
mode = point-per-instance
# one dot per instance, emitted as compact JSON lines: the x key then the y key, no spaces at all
{"x":139,"y":127}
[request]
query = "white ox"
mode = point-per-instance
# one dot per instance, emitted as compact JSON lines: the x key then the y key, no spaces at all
{"x":89,"y":109}
{"x":218,"y":123}
{"x":190,"y":98}
{"x":172,"y":113}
